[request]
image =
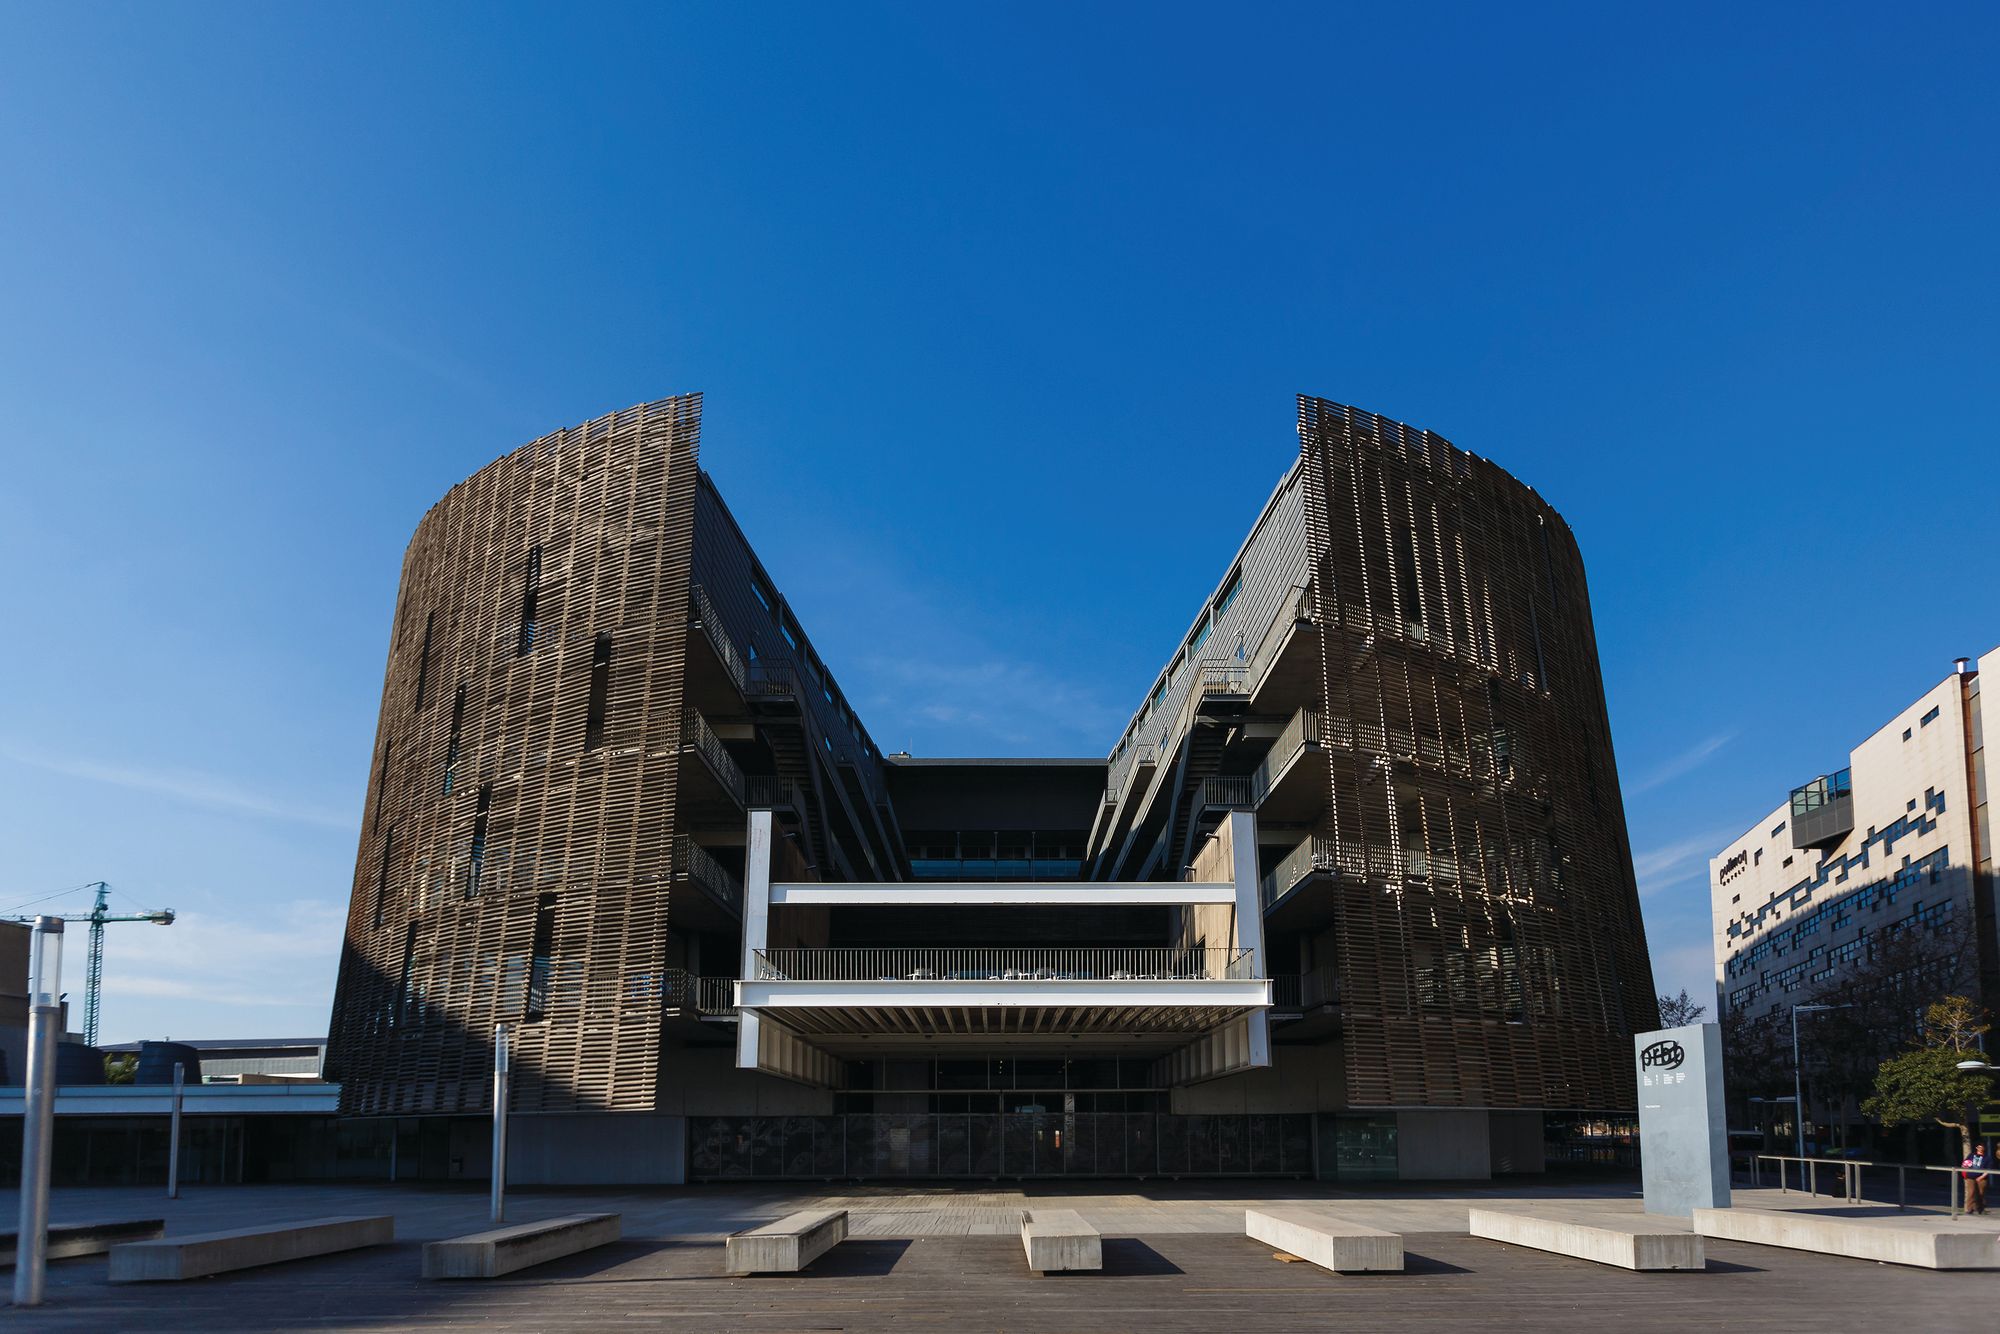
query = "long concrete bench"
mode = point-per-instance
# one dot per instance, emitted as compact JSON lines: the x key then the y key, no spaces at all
{"x":1331,"y":1243}
{"x":1629,"y":1244}
{"x":68,"y":1239}
{"x":202,"y":1253}
{"x":1904,"y":1241}
{"x":1059,"y":1239}
{"x":788,"y":1245}
{"x":505,"y":1249}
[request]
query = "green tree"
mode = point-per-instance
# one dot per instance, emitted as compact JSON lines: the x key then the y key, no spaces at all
{"x":1925,"y":1083}
{"x":121,"y":1068}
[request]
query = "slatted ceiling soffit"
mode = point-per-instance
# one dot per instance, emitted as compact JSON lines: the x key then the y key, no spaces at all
{"x":1489,"y":941}
{"x":608,"y":507}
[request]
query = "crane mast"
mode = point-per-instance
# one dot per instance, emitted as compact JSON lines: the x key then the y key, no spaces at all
{"x":99,"y":914}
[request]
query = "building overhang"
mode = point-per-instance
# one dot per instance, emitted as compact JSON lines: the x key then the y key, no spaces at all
{"x":844,"y":1017}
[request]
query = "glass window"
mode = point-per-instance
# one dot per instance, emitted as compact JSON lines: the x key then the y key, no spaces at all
{"x":1229,"y":592}
{"x":530,"y":590}
{"x":600,"y":692}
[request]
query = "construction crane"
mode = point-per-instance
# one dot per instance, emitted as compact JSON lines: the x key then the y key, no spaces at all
{"x":99,"y":914}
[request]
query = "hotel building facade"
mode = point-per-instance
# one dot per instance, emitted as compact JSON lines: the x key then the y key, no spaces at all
{"x":1349,"y":897}
{"x":1893,"y":849}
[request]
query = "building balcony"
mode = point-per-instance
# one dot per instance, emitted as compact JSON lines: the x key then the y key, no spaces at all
{"x":1823,"y":810}
{"x":1285,"y":668}
{"x":718,"y":676}
{"x":857,"y":1001}
{"x":1291,"y":783}
{"x":715,"y":776}
{"x":719,"y":905}
{"x":1311,"y":857}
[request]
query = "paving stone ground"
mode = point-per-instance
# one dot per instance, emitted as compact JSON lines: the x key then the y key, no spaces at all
{"x":950,"y":1260}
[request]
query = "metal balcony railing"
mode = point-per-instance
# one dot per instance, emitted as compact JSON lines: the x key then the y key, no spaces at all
{"x":678,"y":989}
{"x":773,"y":679}
{"x":703,"y":611}
{"x":1301,"y":604}
{"x":1302,"y":991}
{"x":1008,"y":964}
{"x":1300,"y":732}
{"x":698,"y":736}
{"x":693,"y":862}
{"x":715,"y":995}
{"x":1224,"y":791}
{"x":772,"y":792}
{"x":1316,"y":853}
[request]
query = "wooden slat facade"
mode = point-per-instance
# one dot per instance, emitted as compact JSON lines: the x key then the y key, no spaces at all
{"x":1490,"y":949}
{"x":441,"y":943}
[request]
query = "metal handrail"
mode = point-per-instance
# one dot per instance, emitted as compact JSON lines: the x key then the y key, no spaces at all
{"x":693,"y":862}
{"x":1005,"y":964}
{"x":772,"y":678}
{"x":1305,"y":990}
{"x":1301,"y":605}
{"x":772,"y":791}
{"x":715,"y":995}
{"x":1851,"y":1175}
{"x":1300,"y":732}
{"x":725,"y":647}
{"x":698,"y":735}
{"x":1316,"y":852}
{"x":1226,"y":790}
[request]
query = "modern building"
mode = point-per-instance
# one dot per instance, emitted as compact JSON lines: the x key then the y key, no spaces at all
{"x":243,"y":1060}
{"x":1894,"y":846}
{"x":1350,"y":896}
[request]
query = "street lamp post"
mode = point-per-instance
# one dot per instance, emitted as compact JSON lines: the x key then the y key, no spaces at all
{"x":38,"y":1106}
{"x":1798,"y":1079}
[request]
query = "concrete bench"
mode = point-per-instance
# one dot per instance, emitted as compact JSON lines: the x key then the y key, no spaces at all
{"x":1330,"y":1243}
{"x":1059,"y":1239}
{"x":505,"y":1249}
{"x":1911,"y":1240}
{"x":1635,"y":1243}
{"x":788,"y":1245}
{"x":202,"y":1253}
{"x":68,"y":1239}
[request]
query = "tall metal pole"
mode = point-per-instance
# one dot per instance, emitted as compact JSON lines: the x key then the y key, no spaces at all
{"x":1798,"y":1089}
{"x":38,"y":1112}
{"x":501,"y":1077}
{"x":174,"y":1145}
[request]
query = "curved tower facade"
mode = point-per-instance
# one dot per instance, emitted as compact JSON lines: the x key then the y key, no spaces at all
{"x":517,"y":844}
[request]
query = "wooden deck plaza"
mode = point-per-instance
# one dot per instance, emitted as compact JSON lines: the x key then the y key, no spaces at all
{"x":1175,"y":1259}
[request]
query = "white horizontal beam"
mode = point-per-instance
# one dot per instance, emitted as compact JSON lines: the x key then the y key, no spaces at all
{"x":956,"y":893}
{"x":1050,"y":993}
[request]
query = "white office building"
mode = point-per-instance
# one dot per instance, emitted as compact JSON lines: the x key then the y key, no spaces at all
{"x":1897,"y":840}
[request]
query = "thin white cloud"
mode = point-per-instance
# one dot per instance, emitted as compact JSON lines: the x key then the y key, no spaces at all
{"x":1682,"y":764}
{"x":276,"y":957}
{"x":1676,"y":863}
{"x":185,"y":785}
{"x":995,"y":700}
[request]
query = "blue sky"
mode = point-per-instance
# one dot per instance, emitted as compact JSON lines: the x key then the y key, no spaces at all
{"x":999,"y":314}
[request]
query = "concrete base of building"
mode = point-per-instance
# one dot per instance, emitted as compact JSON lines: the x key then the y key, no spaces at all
{"x":522,"y":1246}
{"x":1059,"y":1239}
{"x":788,"y":1245}
{"x":1904,"y":1240}
{"x":1628,"y":1244}
{"x":596,"y":1149}
{"x":1329,"y":1242}
{"x":204,"y":1253}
